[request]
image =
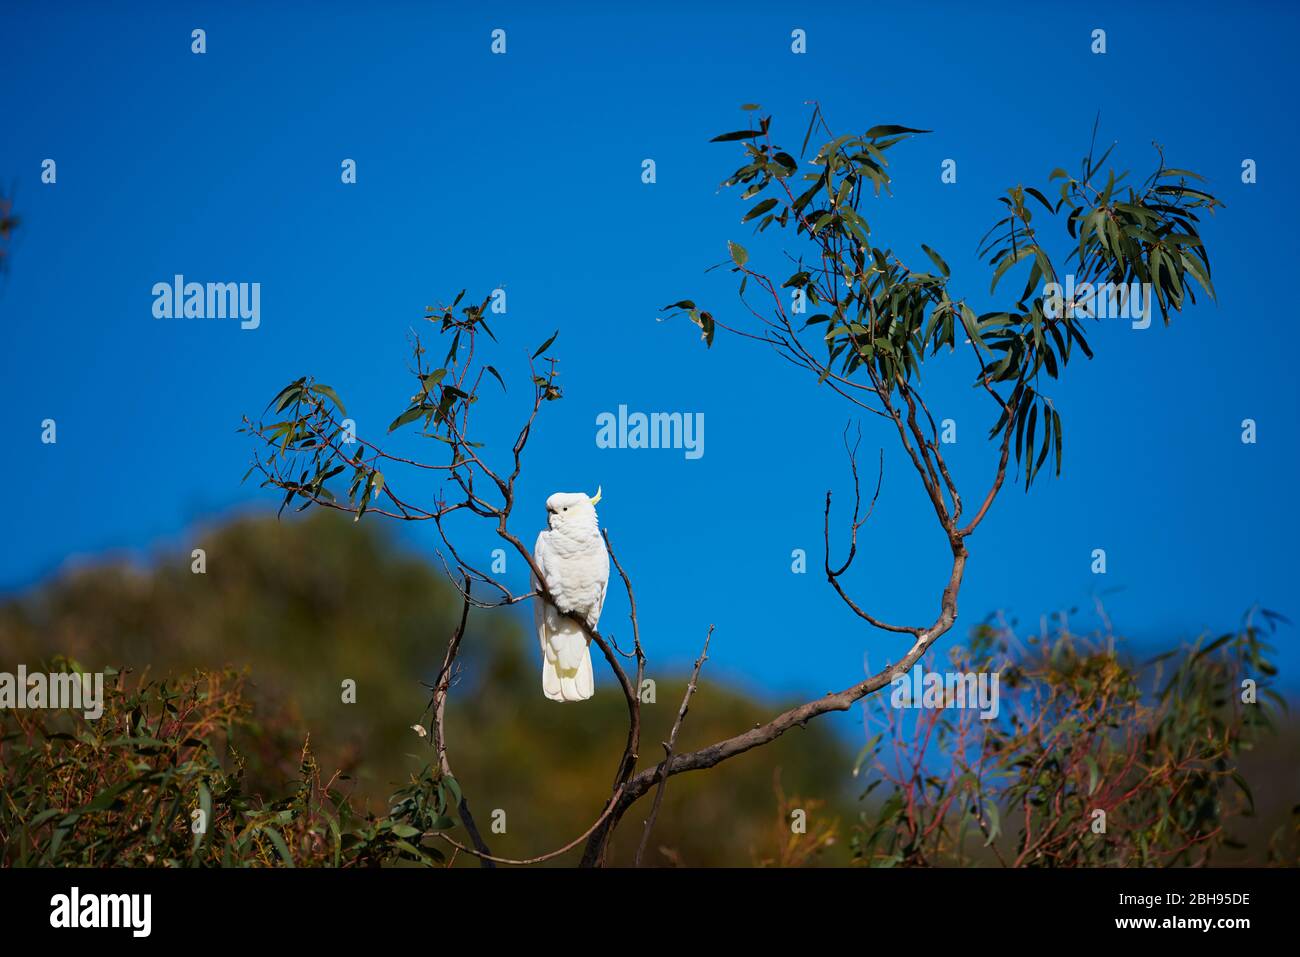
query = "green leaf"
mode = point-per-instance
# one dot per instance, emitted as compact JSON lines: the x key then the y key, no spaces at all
{"x":1181,"y":172}
{"x":1008,"y":262}
{"x":936,"y":259}
{"x":410,"y":415}
{"x":1040,"y":197}
{"x":704,"y":320}
{"x":454,"y":787}
{"x":546,"y":345}
{"x":281,"y":395}
{"x":759,"y":209}
{"x":332,"y":395}
{"x":995,"y":823}
{"x":888,"y":130}
{"x":738,"y":253}
{"x":736,"y":135}
{"x":812,"y":123}
{"x":494,"y":372}
{"x":1056,"y":427}
{"x":1245,"y":789}
{"x":430,"y":379}
{"x":278,"y":840}
{"x":43,"y":817}
{"x":1029,"y":444}
{"x":971,"y":323}
{"x":787,"y":163}
{"x":1212,"y":646}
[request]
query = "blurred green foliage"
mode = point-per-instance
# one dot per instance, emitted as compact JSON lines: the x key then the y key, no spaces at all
{"x":225,"y":696}
{"x":159,"y":779}
{"x":1094,"y":758}
{"x":299,"y":606}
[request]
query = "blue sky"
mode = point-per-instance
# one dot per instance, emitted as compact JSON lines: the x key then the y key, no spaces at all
{"x":523,"y":171}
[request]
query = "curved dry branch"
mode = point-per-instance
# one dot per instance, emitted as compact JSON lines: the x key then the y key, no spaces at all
{"x":609,"y":809}
{"x":720,"y":751}
{"x":439,"y":736}
{"x":668,"y":748}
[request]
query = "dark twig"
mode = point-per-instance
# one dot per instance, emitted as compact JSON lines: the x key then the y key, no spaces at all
{"x":668,"y":747}
{"x":439,"y":737}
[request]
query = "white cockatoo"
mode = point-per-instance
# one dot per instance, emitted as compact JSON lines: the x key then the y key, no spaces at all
{"x":571,"y":555}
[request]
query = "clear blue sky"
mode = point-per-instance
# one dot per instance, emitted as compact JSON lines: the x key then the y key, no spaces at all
{"x":523,"y":170}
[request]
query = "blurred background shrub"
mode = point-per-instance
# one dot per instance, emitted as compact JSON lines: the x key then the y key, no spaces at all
{"x":225,"y":696}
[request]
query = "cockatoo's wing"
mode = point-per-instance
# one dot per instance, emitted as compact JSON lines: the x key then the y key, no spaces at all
{"x":539,"y":612}
{"x":585,"y":681}
{"x":560,"y":638}
{"x":539,"y":559}
{"x":602,"y":575}
{"x":539,"y":603}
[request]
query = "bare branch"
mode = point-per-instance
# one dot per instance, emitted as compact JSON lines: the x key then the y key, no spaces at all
{"x":833,"y":575}
{"x":668,"y":747}
{"x":609,"y":809}
{"x":439,"y":736}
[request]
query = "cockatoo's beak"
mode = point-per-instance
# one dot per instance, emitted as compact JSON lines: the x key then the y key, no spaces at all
{"x":595,"y":498}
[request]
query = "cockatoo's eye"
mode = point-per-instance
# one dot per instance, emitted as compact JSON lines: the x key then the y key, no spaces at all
{"x":566,"y":508}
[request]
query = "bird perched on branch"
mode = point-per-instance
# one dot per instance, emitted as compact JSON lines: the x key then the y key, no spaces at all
{"x":571,"y":556}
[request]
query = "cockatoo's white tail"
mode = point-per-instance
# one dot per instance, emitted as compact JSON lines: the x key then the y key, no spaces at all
{"x":566,"y":664}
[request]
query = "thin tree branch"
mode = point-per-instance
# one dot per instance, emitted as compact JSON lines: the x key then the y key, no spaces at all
{"x":609,"y":808}
{"x":668,"y":747}
{"x":439,"y":736}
